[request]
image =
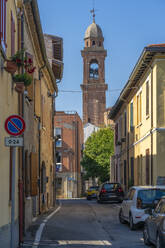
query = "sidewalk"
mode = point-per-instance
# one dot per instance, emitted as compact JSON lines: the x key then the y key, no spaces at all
{"x":31,"y":231}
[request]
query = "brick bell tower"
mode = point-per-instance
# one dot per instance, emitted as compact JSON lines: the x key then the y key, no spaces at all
{"x":94,"y":87}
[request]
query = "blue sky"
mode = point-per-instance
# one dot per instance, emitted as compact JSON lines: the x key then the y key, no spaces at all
{"x":128,"y":26}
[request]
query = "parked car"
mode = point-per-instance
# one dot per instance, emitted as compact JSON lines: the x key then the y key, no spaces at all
{"x":92,"y":192}
{"x":110,"y":192}
{"x":136,"y":201}
{"x":154,"y":227}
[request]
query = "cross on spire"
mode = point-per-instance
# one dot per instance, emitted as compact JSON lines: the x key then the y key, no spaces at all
{"x":93,"y":14}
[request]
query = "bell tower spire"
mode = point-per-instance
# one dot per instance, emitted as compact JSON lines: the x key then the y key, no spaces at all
{"x":94,"y":86}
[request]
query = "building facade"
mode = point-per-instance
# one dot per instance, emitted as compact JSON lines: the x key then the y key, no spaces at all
{"x":21,"y":33}
{"x":9,"y":105}
{"x":139,"y":116}
{"x":94,"y":87}
{"x":69,"y":141}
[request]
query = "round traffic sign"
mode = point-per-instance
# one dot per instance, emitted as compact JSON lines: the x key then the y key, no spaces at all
{"x":15,"y":125}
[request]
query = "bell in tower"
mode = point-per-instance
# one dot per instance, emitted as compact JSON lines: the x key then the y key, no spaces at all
{"x":94,"y":87}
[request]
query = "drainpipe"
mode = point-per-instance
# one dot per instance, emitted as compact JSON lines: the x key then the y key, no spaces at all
{"x":22,"y":152}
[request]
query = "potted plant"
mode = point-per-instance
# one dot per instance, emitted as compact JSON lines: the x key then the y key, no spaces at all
{"x":15,"y":61}
{"x":22,"y":81}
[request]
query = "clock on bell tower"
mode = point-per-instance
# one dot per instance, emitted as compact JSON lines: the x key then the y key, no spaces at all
{"x":94,"y":87}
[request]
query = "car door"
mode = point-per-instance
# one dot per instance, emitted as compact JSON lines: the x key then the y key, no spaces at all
{"x":155,"y":219}
{"x":128,"y":202}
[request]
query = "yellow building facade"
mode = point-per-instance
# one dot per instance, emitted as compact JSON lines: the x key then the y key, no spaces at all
{"x":139,"y":116}
{"x":8,"y":106}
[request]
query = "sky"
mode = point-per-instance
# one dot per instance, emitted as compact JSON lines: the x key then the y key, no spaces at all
{"x":127,"y":25}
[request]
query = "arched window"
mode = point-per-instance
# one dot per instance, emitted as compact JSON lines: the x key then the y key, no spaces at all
{"x":94,"y":69}
{"x":93,"y":43}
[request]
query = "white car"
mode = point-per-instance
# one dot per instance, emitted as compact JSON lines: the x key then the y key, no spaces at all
{"x":136,"y":201}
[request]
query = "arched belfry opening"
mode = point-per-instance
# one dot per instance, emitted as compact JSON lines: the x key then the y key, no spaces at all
{"x":94,"y":86}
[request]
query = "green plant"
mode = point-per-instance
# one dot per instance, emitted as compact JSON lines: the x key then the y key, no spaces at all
{"x":18,"y":57}
{"x":25,"y":77}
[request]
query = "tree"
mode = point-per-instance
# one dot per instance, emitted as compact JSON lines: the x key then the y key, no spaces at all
{"x":96,"y":157}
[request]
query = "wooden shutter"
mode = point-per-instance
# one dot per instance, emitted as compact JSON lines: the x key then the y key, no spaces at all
{"x":30,"y":88}
{"x":37,"y":93}
{"x":3,"y":23}
{"x":12,"y":35}
{"x":34,"y":174}
{"x":116,"y":133}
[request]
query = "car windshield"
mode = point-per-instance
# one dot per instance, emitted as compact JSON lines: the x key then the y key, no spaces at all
{"x":148,"y":196}
{"x":110,"y":186}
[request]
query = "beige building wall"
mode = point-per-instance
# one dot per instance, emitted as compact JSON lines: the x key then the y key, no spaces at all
{"x":144,"y":143}
{"x":8,"y":106}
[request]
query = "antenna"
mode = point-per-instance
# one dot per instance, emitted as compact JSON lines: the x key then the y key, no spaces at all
{"x":93,"y":14}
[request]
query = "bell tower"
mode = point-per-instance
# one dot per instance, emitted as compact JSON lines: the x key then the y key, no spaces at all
{"x":94,"y":87}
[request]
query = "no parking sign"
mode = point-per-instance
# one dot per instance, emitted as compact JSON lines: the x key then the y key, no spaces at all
{"x":15,"y":125}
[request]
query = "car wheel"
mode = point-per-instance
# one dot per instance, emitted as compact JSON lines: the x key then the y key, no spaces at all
{"x":121,"y":219}
{"x":146,"y":236}
{"x":158,"y":245}
{"x":131,"y":224}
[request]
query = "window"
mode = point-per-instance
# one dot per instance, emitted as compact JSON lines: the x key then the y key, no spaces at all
{"x":139,"y":108}
{"x":131,"y":116}
{"x":12,"y":35}
{"x":87,"y":43}
{"x":3,"y":24}
{"x":57,"y":133}
{"x":100,"y":44}
{"x":58,"y":161}
{"x":93,"y":43}
{"x":94,"y":69}
{"x":147,"y":98}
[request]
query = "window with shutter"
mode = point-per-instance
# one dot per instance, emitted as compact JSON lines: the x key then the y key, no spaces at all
{"x":12,"y":35}
{"x":37,"y":96}
{"x":116,"y":133}
{"x":30,"y":88}
{"x":147,"y":98}
{"x":3,"y":24}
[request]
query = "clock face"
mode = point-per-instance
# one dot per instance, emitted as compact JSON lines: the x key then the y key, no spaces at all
{"x":94,"y":70}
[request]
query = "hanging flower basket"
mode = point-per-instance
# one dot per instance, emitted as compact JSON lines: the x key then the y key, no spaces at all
{"x":20,"y":87}
{"x":11,"y":66}
{"x":22,"y":81}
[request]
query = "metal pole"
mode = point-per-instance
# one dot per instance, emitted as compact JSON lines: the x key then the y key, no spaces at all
{"x":13,"y":198}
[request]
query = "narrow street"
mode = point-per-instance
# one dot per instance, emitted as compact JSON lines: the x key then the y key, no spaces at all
{"x":81,"y":223}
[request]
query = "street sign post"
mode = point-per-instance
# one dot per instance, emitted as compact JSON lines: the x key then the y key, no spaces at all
{"x":15,"y":126}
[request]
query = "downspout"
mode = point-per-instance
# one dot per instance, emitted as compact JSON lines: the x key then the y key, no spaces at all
{"x":22,"y":153}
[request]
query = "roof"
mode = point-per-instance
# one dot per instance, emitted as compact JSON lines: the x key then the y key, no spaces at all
{"x":141,"y":66}
{"x":149,"y":187}
{"x":93,"y":31}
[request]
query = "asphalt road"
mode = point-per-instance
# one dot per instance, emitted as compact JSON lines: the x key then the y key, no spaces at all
{"x":87,"y":224}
